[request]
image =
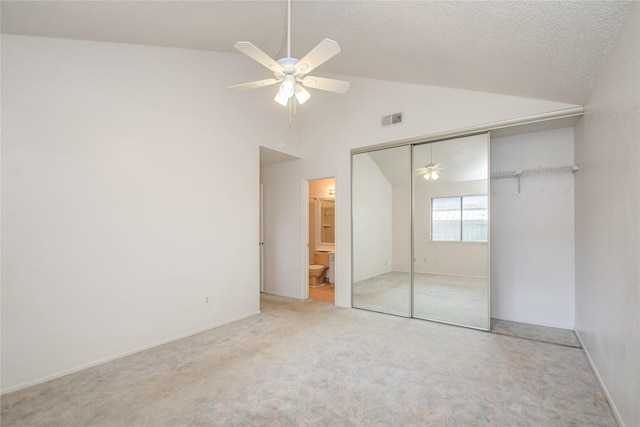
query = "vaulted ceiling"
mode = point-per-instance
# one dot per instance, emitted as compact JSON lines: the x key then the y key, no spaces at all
{"x":549,"y":50}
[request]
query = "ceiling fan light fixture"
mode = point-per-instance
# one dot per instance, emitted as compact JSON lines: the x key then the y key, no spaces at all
{"x":281,"y":99}
{"x":287,"y":88}
{"x":430,"y":172}
{"x":302,"y":95}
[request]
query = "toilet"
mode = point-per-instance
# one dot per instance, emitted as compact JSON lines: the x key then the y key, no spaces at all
{"x":317,"y":270}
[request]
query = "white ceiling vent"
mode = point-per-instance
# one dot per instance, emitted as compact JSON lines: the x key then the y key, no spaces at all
{"x":392,"y":119}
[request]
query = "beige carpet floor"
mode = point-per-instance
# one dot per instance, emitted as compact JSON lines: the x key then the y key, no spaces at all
{"x":308,"y":363}
{"x":533,"y":332}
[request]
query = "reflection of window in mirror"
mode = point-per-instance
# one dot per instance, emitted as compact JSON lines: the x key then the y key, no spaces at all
{"x":326,"y":221}
{"x":459,"y":218}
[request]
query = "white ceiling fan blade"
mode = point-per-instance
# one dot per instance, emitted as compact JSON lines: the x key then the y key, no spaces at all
{"x":326,"y":49}
{"x":256,"y":54}
{"x":253,"y":85}
{"x":331,"y":85}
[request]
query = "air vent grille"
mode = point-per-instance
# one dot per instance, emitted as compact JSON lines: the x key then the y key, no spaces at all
{"x":392,"y":119}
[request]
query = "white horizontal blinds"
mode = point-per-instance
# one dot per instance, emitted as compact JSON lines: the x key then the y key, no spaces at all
{"x":446,"y":219}
{"x":474,"y":218}
{"x":459,"y":218}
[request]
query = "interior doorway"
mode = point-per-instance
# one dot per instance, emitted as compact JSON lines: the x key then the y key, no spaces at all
{"x":320,"y":283}
{"x":267,"y":198}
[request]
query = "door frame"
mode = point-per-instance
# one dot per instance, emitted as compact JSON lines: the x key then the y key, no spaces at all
{"x":304,"y":244}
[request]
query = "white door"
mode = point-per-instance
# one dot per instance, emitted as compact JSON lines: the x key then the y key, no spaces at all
{"x":261,"y":239}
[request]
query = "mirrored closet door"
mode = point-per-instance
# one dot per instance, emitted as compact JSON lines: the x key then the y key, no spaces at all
{"x":451,"y":231}
{"x":420,"y":224}
{"x":381,"y":227}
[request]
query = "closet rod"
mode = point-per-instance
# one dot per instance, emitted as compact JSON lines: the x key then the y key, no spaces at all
{"x":518,"y":173}
{"x":534,"y":171}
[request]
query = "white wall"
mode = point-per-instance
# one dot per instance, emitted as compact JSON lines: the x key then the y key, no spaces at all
{"x":608,"y":224}
{"x":532,"y":233}
{"x":333,"y":124}
{"x":130,"y":192}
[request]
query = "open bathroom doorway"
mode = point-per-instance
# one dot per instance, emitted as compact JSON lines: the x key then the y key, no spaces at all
{"x":321,"y":237}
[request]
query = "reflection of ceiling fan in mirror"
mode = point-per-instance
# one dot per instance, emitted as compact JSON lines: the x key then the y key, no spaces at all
{"x":430,"y":171}
{"x":292,"y":73}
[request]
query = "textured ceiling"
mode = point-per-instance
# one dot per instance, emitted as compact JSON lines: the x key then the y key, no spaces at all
{"x":549,"y":50}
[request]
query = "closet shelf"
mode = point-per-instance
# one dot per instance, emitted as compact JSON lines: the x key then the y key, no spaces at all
{"x":518,"y":173}
{"x":535,"y":171}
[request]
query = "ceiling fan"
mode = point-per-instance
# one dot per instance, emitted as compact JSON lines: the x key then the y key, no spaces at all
{"x":291,"y":73}
{"x":431,"y":171}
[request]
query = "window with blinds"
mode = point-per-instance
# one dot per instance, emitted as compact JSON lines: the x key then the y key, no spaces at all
{"x":459,"y":218}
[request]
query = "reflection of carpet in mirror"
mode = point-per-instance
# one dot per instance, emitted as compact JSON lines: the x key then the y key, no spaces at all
{"x":455,"y":299}
{"x":324,"y":293}
{"x":566,"y":337}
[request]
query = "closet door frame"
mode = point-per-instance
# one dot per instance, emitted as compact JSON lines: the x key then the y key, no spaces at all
{"x":412,"y":229}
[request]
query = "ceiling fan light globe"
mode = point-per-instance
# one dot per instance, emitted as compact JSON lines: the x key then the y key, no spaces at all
{"x":287,"y":88}
{"x":434,"y":175}
{"x":427,"y":176}
{"x":281,"y":99}
{"x":302,"y":95}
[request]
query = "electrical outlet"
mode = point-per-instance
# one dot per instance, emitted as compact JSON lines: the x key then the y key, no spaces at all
{"x":206,"y":300}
